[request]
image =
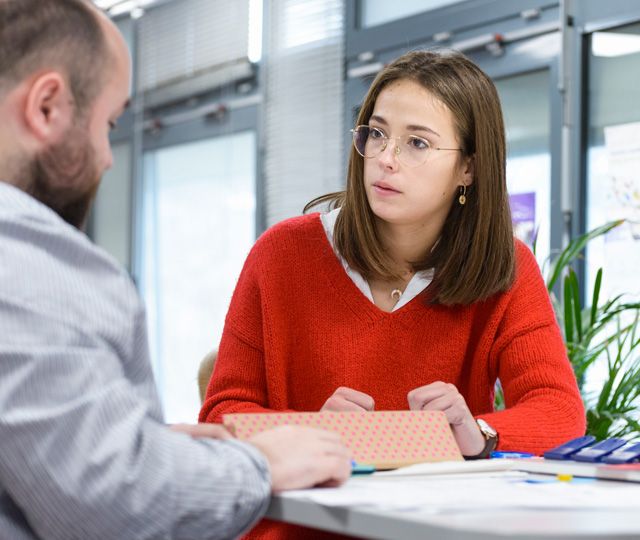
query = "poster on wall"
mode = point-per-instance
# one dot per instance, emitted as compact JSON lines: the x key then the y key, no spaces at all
{"x":621,"y":257}
{"x":529,"y":186}
{"x":523,"y":215}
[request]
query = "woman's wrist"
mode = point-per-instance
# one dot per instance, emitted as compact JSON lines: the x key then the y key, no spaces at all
{"x":469,"y":437}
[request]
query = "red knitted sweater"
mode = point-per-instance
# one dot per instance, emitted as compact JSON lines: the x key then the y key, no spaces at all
{"x":298,"y":328}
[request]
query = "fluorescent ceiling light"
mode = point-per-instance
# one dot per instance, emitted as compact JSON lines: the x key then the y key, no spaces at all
{"x":614,"y":44}
{"x":255,"y":31}
{"x":106,"y":4}
{"x":118,"y":7}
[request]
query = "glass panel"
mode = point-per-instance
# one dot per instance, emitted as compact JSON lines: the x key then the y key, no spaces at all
{"x":198,"y":226}
{"x":613,"y":158}
{"x":111,"y":214}
{"x":528,"y":156}
{"x":613,"y":162}
{"x":375,"y":12}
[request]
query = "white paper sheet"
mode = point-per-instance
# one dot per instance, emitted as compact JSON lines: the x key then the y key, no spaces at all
{"x":436,"y":494}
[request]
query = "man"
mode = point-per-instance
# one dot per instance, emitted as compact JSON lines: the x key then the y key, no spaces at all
{"x":83,"y":450}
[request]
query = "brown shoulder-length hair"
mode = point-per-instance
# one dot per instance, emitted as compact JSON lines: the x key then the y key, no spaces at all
{"x":474,"y":257}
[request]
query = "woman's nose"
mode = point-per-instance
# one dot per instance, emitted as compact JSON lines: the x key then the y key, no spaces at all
{"x":389,"y":155}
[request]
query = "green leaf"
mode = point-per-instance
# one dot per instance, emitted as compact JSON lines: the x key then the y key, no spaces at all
{"x":568,"y":312}
{"x":575,"y":300}
{"x":605,"y":334}
{"x":596,"y":297}
{"x":575,"y":247}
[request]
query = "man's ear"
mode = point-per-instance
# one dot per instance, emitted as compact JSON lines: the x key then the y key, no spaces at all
{"x":469,"y":170}
{"x":48,"y":107}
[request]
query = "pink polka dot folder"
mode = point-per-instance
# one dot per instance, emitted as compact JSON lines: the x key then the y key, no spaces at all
{"x":384,"y":439}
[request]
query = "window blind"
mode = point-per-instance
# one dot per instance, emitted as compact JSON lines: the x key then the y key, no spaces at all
{"x":304,"y":95}
{"x":183,"y":39}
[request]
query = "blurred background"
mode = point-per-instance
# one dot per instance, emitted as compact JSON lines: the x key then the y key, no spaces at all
{"x":241,"y":113}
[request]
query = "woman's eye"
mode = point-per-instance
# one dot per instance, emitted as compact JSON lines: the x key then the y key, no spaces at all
{"x":418,"y":144}
{"x":375,"y":133}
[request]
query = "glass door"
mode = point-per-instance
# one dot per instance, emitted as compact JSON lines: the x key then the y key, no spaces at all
{"x":613,"y":158}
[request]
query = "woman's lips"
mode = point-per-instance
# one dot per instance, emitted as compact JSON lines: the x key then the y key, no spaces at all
{"x":382,"y":188}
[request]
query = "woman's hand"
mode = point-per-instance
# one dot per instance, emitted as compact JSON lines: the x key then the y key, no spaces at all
{"x":348,"y":399}
{"x":440,"y":396}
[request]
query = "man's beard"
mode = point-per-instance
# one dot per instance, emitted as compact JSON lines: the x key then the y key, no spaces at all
{"x":64,"y":176}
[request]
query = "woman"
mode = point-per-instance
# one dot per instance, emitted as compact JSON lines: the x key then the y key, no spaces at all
{"x":411,"y":293}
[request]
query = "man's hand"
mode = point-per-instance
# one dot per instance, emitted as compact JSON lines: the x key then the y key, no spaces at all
{"x":348,"y":399}
{"x":301,"y":457}
{"x":198,"y":431}
{"x":440,"y":396}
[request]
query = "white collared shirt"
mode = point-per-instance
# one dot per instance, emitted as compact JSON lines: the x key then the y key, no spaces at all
{"x":419,"y":282}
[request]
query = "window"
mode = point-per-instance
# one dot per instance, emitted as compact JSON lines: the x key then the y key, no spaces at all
{"x":198,"y":226}
{"x":110,"y":221}
{"x":528,"y":156}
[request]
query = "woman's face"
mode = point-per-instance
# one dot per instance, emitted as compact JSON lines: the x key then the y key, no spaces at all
{"x":417,"y":122}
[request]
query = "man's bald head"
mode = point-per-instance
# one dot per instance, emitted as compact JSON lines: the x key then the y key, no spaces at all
{"x":67,"y":35}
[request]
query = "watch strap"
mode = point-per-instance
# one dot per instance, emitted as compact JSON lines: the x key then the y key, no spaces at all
{"x":491,"y":441}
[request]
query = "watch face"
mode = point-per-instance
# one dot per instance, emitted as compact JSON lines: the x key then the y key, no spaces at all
{"x":486,"y":429}
{"x":491,"y":440}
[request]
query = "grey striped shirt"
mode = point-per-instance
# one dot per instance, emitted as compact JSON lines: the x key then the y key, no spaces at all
{"x":83,"y":450}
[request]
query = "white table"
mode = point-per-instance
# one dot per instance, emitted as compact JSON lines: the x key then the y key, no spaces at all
{"x":468,"y":523}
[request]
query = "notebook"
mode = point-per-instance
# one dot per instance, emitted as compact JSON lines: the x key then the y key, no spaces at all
{"x":384,"y":439}
{"x":629,"y":472}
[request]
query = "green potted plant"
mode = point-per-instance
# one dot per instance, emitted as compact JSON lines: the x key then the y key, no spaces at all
{"x":606,"y":331}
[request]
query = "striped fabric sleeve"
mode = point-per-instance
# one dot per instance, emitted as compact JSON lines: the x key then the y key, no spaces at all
{"x":82,"y":456}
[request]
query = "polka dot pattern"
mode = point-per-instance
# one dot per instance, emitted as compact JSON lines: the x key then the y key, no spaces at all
{"x":386,"y":439}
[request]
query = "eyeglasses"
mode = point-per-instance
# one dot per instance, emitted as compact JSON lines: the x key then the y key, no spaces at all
{"x":410,"y":150}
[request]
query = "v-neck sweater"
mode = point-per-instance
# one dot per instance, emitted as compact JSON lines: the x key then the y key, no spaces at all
{"x":298,"y":328}
{"x":415,"y":286}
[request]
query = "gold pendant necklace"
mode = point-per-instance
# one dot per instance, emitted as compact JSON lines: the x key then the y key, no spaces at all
{"x":397,"y":293}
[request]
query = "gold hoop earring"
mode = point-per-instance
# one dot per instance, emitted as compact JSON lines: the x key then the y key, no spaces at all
{"x":462,"y":199}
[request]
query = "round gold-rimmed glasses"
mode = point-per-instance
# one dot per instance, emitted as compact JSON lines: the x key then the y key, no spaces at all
{"x":411,"y":150}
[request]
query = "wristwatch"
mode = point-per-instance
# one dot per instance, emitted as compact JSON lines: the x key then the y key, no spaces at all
{"x":491,"y":440}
